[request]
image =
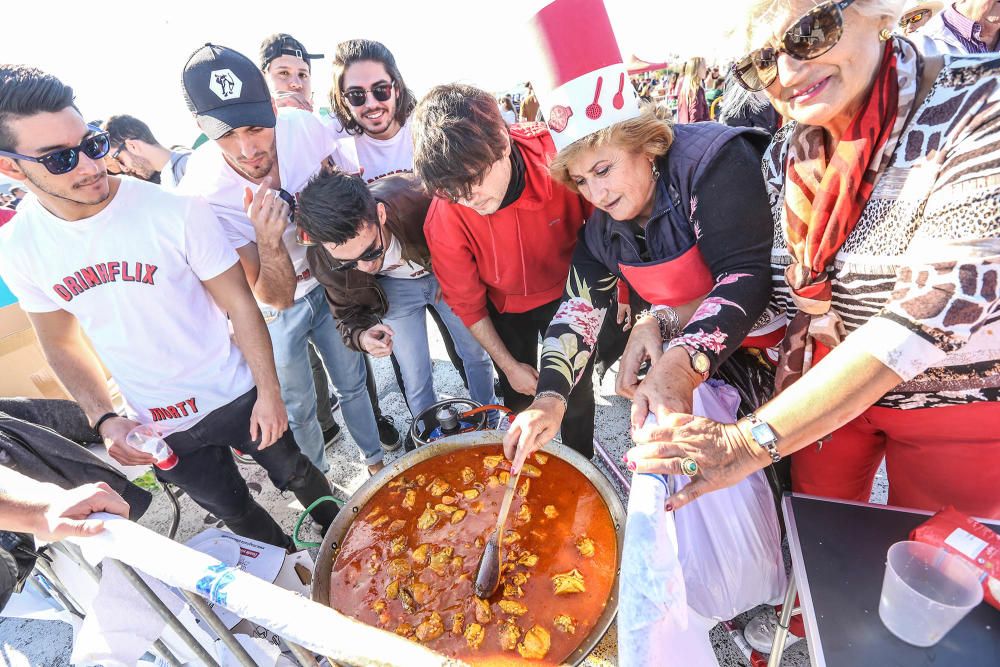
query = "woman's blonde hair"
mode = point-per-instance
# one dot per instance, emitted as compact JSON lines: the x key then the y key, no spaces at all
{"x":692,"y":76}
{"x":649,"y":134}
{"x":758,"y":14}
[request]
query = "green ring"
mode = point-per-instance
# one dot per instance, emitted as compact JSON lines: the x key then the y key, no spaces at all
{"x":690,"y":467}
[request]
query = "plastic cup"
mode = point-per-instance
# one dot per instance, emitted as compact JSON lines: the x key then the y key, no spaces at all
{"x":926,"y":592}
{"x":147,"y":438}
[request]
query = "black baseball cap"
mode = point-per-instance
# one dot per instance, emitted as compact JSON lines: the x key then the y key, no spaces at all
{"x":225,"y":91}
{"x":283,"y":44}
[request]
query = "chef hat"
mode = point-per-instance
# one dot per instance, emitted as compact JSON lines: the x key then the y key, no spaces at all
{"x":577,"y":73}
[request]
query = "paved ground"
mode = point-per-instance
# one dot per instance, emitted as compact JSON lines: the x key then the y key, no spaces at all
{"x":47,"y":643}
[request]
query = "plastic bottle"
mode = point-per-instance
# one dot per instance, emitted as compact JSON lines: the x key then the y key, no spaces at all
{"x":147,"y":438}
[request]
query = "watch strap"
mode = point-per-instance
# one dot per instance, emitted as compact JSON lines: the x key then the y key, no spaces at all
{"x":103,"y":418}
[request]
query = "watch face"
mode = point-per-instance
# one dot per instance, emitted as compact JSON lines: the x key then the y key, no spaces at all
{"x":762,"y":433}
{"x":701,"y":363}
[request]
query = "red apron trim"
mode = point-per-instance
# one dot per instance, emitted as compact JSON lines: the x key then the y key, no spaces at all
{"x":672,"y":282}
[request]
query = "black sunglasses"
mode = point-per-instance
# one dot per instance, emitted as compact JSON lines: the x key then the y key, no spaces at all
{"x":369,"y":255}
{"x":358,"y":96}
{"x":64,"y":160}
{"x":118,"y":151}
{"x":289,"y":199}
{"x":815,"y":33}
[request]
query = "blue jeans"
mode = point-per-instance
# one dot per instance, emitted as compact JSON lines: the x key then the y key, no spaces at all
{"x":309,"y":319}
{"x":408,"y":320}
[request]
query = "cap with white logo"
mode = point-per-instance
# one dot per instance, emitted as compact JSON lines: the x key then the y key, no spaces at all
{"x":225,"y":91}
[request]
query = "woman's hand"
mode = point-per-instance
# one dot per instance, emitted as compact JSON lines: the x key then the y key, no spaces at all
{"x":645,"y":343}
{"x":723,"y":453}
{"x":532,"y":429}
{"x":667,"y":389}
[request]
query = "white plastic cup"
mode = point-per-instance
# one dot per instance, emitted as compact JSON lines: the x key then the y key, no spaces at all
{"x":147,"y":438}
{"x":926,"y":592}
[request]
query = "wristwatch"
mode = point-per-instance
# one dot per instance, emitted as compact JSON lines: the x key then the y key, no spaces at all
{"x":700,"y":362}
{"x":764,"y":436}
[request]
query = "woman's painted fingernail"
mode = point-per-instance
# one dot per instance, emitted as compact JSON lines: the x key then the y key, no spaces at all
{"x":625,"y":457}
{"x":669,"y":507}
{"x":631,"y":466}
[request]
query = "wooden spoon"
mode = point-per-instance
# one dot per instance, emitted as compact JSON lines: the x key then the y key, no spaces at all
{"x":488,"y":572}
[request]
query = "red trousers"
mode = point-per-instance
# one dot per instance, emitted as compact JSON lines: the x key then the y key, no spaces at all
{"x":934,"y":457}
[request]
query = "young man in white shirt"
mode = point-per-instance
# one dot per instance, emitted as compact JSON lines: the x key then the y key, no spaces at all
{"x":372,"y":103}
{"x":256,"y":163}
{"x":149,"y":277}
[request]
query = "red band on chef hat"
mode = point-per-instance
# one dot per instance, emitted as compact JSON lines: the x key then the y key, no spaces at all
{"x":578,"y":39}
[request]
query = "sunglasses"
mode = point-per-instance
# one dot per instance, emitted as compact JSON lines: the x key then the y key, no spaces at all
{"x":912,"y":18}
{"x":358,"y":96}
{"x":118,"y":151}
{"x":815,"y":33}
{"x":370,"y":255}
{"x":64,"y":160}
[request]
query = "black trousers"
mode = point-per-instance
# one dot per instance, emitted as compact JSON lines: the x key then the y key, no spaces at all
{"x":520,"y":332}
{"x":207,"y":472}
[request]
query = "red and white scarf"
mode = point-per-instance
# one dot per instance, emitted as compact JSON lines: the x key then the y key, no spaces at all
{"x":825,"y":194}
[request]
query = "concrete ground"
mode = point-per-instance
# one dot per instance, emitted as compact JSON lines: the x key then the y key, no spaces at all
{"x":48,"y":643}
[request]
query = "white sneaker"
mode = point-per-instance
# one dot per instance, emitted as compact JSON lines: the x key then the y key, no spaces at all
{"x":760,"y":630}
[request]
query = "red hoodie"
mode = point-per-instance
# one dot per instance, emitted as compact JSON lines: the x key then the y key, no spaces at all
{"x":520,"y":255}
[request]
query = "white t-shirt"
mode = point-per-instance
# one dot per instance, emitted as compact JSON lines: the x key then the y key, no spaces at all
{"x":395,"y":266}
{"x":383,"y":157}
{"x":303,"y":142}
{"x":132,"y":276}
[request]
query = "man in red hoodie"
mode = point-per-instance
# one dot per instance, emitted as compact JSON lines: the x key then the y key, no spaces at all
{"x":501,"y":233}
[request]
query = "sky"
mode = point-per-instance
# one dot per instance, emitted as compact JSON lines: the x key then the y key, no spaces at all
{"x":127,"y":57}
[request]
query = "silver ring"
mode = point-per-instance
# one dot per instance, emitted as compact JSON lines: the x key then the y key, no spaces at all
{"x":689,"y":466}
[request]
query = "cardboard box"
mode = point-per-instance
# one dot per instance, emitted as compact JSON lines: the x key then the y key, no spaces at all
{"x":25,"y":371}
{"x":290,"y":577}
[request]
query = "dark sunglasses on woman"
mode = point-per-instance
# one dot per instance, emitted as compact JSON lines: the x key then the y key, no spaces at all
{"x":358,"y":96}
{"x":815,"y":33}
{"x":64,"y":160}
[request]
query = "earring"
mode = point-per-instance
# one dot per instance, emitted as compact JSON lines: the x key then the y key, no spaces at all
{"x":656,"y":172}
{"x":884,"y":35}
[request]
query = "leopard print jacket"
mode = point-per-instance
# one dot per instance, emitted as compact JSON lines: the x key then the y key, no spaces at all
{"x":916,"y":282}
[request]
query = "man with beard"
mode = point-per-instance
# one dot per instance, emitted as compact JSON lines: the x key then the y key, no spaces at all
{"x":139,"y":154}
{"x":372,"y":103}
{"x":256,"y":163}
{"x":149,"y":277}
